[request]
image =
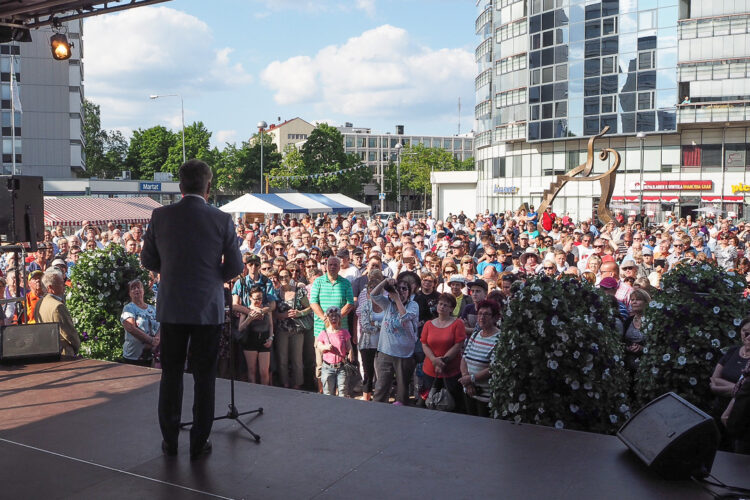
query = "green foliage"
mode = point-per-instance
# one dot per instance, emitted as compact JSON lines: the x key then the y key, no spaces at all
{"x":686,"y":325}
{"x":98,"y":293}
{"x":558,"y":361}
{"x":104,"y":152}
{"x":149,"y":151}
{"x":291,"y":164}
{"x":197,"y":146}
{"x":417,"y":163}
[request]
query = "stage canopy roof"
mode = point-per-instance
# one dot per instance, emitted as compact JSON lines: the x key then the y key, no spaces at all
{"x":294,"y":203}
{"x":99,"y":211}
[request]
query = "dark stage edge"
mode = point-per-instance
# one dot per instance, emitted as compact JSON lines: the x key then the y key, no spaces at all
{"x":88,"y":429}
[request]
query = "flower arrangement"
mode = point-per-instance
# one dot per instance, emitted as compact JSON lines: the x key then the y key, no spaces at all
{"x":687,"y":324}
{"x":559,"y":360}
{"x":98,"y":293}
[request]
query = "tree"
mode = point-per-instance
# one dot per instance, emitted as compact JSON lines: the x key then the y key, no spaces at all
{"x":104,"y":152}
{"x":292,"y":164}
{"x":323,"y":155}
{"x":149,"y":150}
{"x":197,"y":146}
{"x":417,"y":163}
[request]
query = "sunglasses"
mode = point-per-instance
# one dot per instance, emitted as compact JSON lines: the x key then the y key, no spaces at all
{"x":311,"y":266}
{"x":265,"y":268}
{"x":548,"y":268}
{"x":598,"y":246}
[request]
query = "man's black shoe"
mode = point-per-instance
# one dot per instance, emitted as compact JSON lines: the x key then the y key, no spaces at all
{"x":203,"y":450}
{"x":170,"y":451}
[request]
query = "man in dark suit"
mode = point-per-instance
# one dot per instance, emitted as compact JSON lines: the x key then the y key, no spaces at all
{"x":194,"y":248}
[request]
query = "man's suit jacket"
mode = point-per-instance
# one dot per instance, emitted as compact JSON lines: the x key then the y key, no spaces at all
{"x":50,"y":310}
{"x":185,"y":243}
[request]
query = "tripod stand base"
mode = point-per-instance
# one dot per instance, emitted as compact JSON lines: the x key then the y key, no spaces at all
{"x":235,"y":415}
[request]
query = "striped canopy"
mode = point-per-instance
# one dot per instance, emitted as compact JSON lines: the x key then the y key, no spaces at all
{"x":294,"y":203}
{"x":73,"y":211}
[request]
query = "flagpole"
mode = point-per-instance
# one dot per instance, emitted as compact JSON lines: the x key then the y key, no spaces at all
{"x":13,"y":113}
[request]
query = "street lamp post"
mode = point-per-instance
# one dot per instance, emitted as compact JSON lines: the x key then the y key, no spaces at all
{"x":399,"y":147}
{"x":642,"y":137}
{"x":182,"y":112}
{"x":261,"y":126}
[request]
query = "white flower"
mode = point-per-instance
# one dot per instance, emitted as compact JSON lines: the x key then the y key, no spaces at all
{"x":709,"y":356}
{"x":652,"y":304}
{"x":559,"y":424}
{"x":554,"y":321}
{"x":613,"y":418}
{"x":554,"y":303}
{"x":536,"y":297}
{"x":717,"y":309}
{"x":522,"y":397}
{"x":624,"y":408}
{"x":715,"y":343}
{"x":654,"y":370}
{"x":592,"y":309}
{"x":558,"y":353}
{"x":731,"y":334}
{"x":575,"y":385}
{"x":552,"y":364}
{"x":541,"y":410}
{"x":681,"y":360}
{"x":576,"y":355}
{"x":645,"y":350}
{"x":517,"y":419}
{"x":693,"y":381}
{"x":666,"y":357}
{"x":706,"y":267}
{"x":574,"y":408}
{"x":587,"y":386}
{"x":737,"y":321}
{"x":683,"y":350}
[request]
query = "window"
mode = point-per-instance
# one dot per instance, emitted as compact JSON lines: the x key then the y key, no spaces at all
{"x":608,"y":104}
{"x":512,"y":63}
{"x":646,"y":59}
{"x":609,"y":26}
{"x":498,"y":167}
{"x":691,"y":156}
{"x":609,"y":65}
{"x":510,"y":97}
{"x":510,"y":30}
{"x":711,"y":155}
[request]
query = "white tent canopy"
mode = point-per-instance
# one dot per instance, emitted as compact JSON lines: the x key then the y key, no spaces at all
{"x":248,"y":203}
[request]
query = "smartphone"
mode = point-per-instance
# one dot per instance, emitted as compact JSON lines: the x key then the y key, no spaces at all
{"x":660,"y":262}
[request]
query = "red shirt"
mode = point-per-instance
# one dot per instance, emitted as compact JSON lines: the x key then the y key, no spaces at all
{"x":440,"y":340}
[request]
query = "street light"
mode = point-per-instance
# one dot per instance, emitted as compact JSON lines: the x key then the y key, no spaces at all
{"x":642,"y":137}
{"x":261,"y":126}
{"x":398,"y":147}
{"x":182,"y":109}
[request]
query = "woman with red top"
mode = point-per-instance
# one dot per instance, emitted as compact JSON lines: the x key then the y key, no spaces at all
{"x":441,"y":339}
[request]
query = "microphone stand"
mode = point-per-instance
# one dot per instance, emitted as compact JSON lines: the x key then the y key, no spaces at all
{"x":233,"y":413}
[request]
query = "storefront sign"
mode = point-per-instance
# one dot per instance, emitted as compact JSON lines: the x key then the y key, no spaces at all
{"x":150,"y":186}
{"x":740,"y":188}
{"x":506,"y":190}
{"x":700,"y":185}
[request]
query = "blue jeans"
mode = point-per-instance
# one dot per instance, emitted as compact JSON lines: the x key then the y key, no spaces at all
{"x":332,"y":378}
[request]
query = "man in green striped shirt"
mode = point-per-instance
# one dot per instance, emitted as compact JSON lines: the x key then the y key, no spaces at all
{"x":331,"y":290}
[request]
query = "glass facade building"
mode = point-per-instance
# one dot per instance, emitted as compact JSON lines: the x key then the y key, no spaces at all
{"x":552,"y":73}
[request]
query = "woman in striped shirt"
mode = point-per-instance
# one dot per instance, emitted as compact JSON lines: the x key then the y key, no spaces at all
{"x":475,"y":364}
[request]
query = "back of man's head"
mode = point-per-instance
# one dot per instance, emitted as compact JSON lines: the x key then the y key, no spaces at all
{"x":194,"y":177}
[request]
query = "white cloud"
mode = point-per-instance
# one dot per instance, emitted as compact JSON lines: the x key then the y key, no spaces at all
{"x":153,"y":50}
{"x":367,"y":5}
{"x":379,"y":73}
{"x":316,"y":6}
{"x":225,"y":136}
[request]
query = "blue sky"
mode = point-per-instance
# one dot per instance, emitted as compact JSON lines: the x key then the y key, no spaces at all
{"x":376,"y":63}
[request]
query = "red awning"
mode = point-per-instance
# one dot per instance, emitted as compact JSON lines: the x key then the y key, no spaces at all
{"x":645,"y":198}
{"x":731,"y":199}
{"x":73,"y":211}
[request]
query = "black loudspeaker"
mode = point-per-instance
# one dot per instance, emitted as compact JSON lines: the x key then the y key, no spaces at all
{"x":672,"y":437}
{"x":22,"y":208}
{"x":19,"y":342}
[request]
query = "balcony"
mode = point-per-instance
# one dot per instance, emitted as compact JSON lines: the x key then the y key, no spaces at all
{"x":714,"y":112}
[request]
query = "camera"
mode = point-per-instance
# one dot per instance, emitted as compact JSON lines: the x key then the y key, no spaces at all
{"x":389,"y":287}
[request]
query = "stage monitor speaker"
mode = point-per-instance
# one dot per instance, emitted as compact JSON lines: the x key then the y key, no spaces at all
{"x":20,"y":342}
{"x":22,"y":208}
{"x":672,"y":437}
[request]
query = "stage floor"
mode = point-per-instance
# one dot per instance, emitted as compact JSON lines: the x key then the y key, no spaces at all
{"x":88,"y":429}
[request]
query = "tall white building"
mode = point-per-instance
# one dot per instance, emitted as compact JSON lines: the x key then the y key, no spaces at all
{"x":552,"y":73}
{"x":49,"y":134}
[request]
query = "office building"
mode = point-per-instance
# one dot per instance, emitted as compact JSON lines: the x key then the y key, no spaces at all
{"x":48,"y":128}
{"x":670,"y":78}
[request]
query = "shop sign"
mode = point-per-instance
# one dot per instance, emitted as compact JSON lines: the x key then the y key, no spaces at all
{"x":740,"y":188}
{"x":506,"y":190}
{"x":154,"y":187}
{"x":700,"y":185}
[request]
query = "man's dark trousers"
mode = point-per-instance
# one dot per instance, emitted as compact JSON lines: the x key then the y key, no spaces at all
{"x":204,"y":348}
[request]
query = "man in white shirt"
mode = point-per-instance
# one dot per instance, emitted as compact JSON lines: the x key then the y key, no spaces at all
{"x":347,"y":270}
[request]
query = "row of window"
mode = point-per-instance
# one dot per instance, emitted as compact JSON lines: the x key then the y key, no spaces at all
{"x":510,"y":98}
{"x":484,"y":48}
{"x":715,"y":26}
{"x":505,"y":3}
{"x":709,"y":155}
{"x":510,"y":30}
{"x":622,"y":123}
{"x":512,"y":63}
{"x":430,"y":142}
{"x":714,"y":70}
{"x":482,"y":109}
{"x":296,"y":137}
{"x":484,"y":78}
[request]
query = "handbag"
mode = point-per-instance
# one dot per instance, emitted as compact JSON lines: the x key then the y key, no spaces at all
{"x":440,"y":399}
{"x":353,"y":378}
{"x":305,"y":322}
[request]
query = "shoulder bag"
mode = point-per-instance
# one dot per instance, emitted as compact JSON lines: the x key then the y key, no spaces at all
{"x":440,"y":399}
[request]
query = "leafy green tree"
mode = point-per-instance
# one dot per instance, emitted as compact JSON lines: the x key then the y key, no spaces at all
{"x":197,"y":146}
{"x":323,"y":154}
{"x":292,"y":164}
{"x":417,"y":163}
{"x":149,"y":151}
{"x":104,"y":152}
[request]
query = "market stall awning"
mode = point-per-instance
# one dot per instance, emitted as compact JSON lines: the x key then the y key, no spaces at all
{"x":335,"y":207}
{"x":73,"y":211}
{"x":305,"y":201}
{"x":248,"y":203}
{"x":355,"y":205}
{"x":730,"y":199}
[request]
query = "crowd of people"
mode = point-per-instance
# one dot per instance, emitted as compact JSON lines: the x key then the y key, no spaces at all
{"x":414,"y":303}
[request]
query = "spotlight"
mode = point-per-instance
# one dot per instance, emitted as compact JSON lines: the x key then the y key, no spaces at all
{"x":60,"y":47}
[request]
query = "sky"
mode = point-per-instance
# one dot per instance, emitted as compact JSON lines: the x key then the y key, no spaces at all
{"x":374,"y":63}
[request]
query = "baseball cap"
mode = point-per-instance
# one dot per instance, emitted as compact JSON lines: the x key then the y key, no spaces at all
{"x":627,"y":263}
{"x":607,"y":258}
{"x":343,"y":253}
{"x":647,"y":251}
{"x":59,"y":262}
{"x":35,"y":274}
{"x":608,"y":282}
{"x":480,"y":283}
{"x":457,"y":278}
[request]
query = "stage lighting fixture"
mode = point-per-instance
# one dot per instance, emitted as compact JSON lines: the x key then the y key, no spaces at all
{"x":60,"y":47}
